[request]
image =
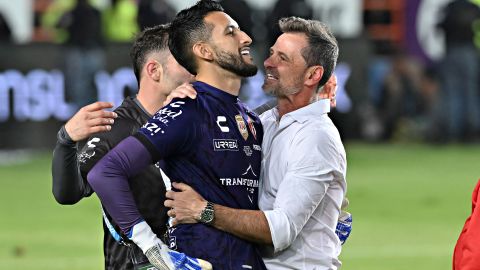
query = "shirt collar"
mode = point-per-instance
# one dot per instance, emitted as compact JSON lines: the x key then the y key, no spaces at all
{"x":141,"y":107}
{"x":204,"y":87}
{"x":301,"y":115}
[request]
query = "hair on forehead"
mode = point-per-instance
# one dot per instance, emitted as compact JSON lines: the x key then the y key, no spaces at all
{"x":322,"y":48}
{"x":150,"y":40}
{"x":188,"y":28}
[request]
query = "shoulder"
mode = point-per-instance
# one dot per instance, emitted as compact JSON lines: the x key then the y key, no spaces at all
{"x":268,"y":116}
{"x":129,"y":119}
{"x":180,"y":105}
{"x":319,"y":136}
{"x":99,"y":144}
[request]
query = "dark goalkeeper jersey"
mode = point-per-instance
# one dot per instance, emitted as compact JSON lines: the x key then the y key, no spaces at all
{"x":149,"y":193}
{"x":212,"y":143}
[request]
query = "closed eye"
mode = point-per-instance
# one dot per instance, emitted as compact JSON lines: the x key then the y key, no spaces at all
{"x":230,"y":31}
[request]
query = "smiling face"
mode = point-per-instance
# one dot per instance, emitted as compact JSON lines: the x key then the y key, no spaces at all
{"x":285,"y":67}
{"x":231,"y":46}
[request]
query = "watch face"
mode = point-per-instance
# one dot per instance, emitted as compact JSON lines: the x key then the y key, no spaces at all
{"x":207,"y":216}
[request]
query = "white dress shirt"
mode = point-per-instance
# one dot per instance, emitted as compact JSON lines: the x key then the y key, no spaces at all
{"x":303,"y":185}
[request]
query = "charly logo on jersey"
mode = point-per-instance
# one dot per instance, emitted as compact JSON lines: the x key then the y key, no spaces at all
{"x":225,"y":145}
{"x":257,"y":147}
{"x":241,"y":126}
{"x":252,"y":127}
{"x":89,"y":151}
{"x":220,"y":123}
{"x":248,"y":179}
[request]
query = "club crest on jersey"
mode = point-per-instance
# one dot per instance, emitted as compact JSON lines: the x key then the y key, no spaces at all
{"x":252,"y":127}
{"x":241,"y":126}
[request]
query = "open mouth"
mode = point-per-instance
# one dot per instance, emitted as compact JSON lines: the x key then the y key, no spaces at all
{"x":245,"y":51}
{"x":271,"y":77}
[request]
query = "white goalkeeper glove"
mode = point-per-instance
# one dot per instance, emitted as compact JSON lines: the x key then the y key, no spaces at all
{"x":159,"y":255}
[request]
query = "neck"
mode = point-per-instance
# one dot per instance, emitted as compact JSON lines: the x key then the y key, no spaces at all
{"x":221,"y":79}
{"x":151,"y":100}
{"x":294,"y":102}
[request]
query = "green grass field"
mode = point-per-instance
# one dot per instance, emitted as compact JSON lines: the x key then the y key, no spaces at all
{"x":409,"y":203}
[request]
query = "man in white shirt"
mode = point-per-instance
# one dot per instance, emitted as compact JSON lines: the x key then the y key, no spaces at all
{"x":303,"y":166}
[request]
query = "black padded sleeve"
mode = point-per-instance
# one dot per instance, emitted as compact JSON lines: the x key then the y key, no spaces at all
{"x":68,"y":186}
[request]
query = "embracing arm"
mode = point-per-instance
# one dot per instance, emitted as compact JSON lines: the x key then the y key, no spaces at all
{"x":68,"y":186}
{"x":109,"y":179}
{"x":250,"y":225}
{"x":279,"y":226}
{"x":302,"y":189}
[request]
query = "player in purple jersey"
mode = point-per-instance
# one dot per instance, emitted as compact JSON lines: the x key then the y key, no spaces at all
{"x":211,"y":143}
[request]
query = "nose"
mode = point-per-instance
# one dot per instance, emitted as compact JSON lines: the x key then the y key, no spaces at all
{"x":245,"y":39}
{"x":268,"y":63}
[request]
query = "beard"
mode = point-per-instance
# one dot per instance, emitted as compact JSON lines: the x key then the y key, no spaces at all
{"x":235,"y":64}
{"x":278,"y":89}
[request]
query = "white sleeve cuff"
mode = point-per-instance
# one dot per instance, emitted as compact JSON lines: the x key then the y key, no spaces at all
{"x":280,"y":229}
{"x":143,"y":236}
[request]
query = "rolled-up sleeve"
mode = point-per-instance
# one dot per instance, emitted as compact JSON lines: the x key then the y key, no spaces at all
{"x":315,"y":161}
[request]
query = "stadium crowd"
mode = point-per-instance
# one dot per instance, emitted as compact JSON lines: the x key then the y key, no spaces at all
{"x":406,"y":97}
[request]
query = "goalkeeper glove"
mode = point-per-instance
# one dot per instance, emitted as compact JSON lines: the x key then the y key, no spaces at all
{"x":159,"y":255}
{"x":344,"y":226}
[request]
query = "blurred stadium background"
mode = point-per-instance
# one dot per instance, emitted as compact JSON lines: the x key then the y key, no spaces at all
{"x":412,"y":145}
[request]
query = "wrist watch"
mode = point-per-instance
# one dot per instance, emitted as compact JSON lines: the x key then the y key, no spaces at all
{"x":208,"y":214}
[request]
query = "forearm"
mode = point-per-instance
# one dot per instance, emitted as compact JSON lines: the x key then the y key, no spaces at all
{"x":109,"y":179}
{"x":250,"y":225}
{"x":68,"y":186}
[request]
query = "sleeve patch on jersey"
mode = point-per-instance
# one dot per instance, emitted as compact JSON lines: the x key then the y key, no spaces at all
{"x":170,"y":112}
{"x":164,"y":116}
{"x":89,"y":151}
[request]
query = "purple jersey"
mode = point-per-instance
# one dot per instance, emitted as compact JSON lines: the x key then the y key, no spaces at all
{"x":212,"y":143}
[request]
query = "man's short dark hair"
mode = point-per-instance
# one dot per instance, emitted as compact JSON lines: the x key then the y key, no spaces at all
{"x":322,"y":46}
{"x":189,"y":27}
{"x":153,"y":39}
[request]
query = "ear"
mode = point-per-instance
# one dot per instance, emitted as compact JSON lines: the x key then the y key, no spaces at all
{"x":313,"y":75}
{"x":203,"y":51}
{"x":154,"y":70}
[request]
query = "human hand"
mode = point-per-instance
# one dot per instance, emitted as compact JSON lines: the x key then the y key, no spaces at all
{"x":182,"y":91}
{"x":186,"y":205}
{"x":164,"y":258}
{"x":329,"y":90}
{"x":89,"y":120}
{"x":159,"y":255}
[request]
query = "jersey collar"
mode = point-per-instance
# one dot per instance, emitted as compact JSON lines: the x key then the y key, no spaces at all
{"x":207,"y":88}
